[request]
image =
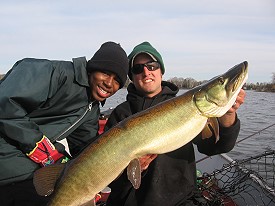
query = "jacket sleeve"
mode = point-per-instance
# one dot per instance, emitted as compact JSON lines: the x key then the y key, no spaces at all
{"x":228,"y":137}
{"x":25,"y":88}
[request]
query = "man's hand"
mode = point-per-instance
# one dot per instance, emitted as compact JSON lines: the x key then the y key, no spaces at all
{"x":229,"y":117}
{"x":146,"y":160}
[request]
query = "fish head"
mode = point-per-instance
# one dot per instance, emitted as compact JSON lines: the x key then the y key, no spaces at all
{"x":215,"y":97}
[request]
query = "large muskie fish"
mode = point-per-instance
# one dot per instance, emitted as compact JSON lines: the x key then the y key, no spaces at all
{"x":159,"y":129}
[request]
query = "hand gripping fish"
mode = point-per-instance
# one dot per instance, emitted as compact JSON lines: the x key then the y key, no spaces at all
{"x":159,"y":129}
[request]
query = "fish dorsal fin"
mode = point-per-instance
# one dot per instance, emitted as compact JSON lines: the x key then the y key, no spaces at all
{"x":45,"y":178}
{"x":134,"y":173}
{"x":207,"y":132}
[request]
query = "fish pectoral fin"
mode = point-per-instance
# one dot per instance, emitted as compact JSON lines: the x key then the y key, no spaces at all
{"x":206,"y":132}
{"x":215,"y":125}
{"x":212,"y":124}
{"x":134,"y":173}
{"x":45,"y":178}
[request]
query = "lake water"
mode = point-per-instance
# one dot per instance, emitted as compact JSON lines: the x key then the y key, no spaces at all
{"x":257,"y":113}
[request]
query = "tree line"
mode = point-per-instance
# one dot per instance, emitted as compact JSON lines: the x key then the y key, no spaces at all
{"x":188,"y":83}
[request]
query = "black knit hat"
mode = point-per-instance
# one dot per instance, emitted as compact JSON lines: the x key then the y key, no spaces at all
{"x":110,"y":57}
{"x":147,"y":48}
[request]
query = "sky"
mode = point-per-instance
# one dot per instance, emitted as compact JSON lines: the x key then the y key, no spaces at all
{"x":197,"y":39}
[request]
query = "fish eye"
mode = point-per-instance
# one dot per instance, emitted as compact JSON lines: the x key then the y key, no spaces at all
{"x":221,"y":80}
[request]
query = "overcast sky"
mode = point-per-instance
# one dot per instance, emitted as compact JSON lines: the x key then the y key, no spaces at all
{"x":197,"y":39}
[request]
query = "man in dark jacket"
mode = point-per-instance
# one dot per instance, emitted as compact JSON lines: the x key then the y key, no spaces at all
{"x":170,"y":179}
{"x":42,"y":102}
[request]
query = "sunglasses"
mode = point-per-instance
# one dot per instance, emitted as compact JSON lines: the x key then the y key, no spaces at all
{"x":151,"y":66}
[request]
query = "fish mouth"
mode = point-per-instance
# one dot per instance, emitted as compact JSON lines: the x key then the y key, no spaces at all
{"x":236,"y":83}
{"x":238,"y":79}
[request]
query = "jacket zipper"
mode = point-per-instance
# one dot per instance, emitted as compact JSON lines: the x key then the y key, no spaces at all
{"x":89,"y":108}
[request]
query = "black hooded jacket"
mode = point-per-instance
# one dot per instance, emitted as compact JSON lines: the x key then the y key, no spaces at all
{"x":171,"y":178}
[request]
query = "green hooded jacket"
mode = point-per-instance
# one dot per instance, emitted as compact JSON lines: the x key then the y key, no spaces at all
{"x":42,"y":97}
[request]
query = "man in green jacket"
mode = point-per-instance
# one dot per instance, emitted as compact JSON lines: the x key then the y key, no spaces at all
{"x":43,"y":102}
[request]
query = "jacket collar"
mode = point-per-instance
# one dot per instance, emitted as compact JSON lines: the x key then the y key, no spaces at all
{"x":81,"y":75}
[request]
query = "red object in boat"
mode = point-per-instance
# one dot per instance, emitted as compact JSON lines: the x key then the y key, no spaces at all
{"x":101,"y":123}
{"x":102,"y":196}
{"x":103,"y":119}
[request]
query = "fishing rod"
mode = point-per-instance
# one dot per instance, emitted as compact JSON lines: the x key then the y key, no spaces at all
{"x":258,"y":132}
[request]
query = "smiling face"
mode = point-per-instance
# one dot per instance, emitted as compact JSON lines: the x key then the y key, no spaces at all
{"x":103,"y":85}
{"x":147,"y":82}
